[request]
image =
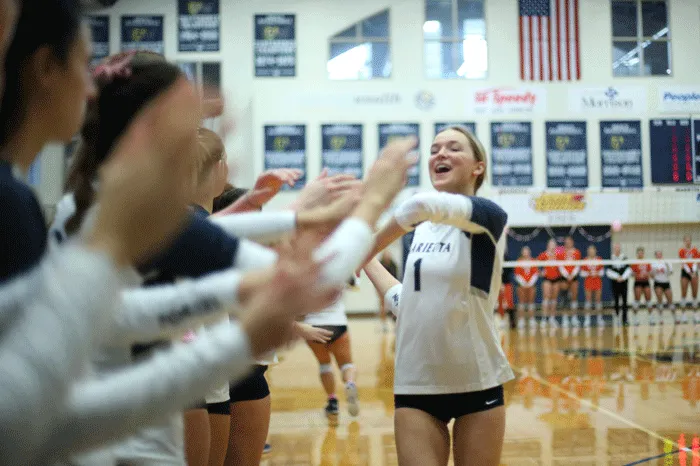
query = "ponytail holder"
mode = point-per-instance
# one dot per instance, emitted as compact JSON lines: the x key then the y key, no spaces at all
{"x":117,"y":66}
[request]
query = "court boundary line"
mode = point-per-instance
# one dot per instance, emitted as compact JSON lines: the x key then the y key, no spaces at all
{"x":651,"y":458}
{"x":606,"y":411}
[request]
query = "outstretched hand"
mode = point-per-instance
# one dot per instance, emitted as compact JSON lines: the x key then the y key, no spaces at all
{"x":325,"y":189}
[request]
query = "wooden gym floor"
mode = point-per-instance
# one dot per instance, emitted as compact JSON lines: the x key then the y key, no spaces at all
{"x":609,"y":397}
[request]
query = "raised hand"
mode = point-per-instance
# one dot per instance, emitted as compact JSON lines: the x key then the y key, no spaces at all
{"x":311,"y":333}
{"x":325,"y":189}
{"x":269,"y":184}
{"x":294,"y":291}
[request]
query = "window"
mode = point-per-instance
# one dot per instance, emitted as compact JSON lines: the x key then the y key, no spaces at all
{"x":361,"y":51}
{"x":641,"y":38}
{"x":454,"y":39}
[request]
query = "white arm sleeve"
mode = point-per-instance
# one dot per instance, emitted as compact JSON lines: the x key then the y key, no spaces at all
{"x":611,"y":274}
{"x":257,"y":226}
{"x":601,"y":272}
{"x":563,"y":272}
{"x":392,"y":298}
{"x":252,"y":256}
{"x":626,"y":274}
{"x":47,"y":346}
{"x":347,"y":247}
{"x":576,"y":270}
{"x":533,"y":280}
{"x":104,"y":410}
{"x":521,"y":281}
{"x":165,"y":311}
{"x":472,"y":214}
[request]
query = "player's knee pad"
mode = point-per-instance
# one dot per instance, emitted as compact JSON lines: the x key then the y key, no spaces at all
{"x":347,"y":366}
{"x":325,"y":368}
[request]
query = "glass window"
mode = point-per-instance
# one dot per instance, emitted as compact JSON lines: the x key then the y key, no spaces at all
{"x":624,"y":18}
{"x":361,"y":51}
{"x":454,"y":35}
{"x":641,"y":38}
{"x":626,"y":59}
{"x":654,"y":19}
{"x":376,"y":26}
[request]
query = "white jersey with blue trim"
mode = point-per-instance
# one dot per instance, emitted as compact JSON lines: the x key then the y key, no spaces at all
{"x":447,"y":341}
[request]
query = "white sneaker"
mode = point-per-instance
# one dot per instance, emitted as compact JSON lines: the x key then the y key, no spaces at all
{"x":533,"y":323}
{"x":600,"y":322}
{"x":543,"y":323}
{"x":575,"y":322}
{"x":351,"y":395}
{"x":521,"y":324}
{"x":587,"y":321}
{"x":553,"y":322}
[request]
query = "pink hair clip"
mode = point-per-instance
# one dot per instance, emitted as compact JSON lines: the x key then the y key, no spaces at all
{"x":116,"y":66}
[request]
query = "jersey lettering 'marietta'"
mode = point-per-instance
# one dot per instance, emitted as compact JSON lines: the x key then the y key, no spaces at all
{"x":447,"y":341}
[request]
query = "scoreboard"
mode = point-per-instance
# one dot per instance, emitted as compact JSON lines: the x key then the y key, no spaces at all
{"x":675,"y":148}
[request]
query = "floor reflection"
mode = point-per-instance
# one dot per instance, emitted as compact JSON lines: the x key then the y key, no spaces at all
{"x":608,"y":396}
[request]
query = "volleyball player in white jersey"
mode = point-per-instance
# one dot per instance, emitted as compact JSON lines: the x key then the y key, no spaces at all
{"x":335,"y":320}
{"x":661,"y":273}
{"x":449,"y":360}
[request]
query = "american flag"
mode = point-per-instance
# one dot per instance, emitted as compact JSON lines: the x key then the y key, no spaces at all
{"x":549,"y":40}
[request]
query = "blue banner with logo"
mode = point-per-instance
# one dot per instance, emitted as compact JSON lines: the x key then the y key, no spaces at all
{"x":567,"y":154}
{"x":511,"y":154}
{"x":198,"y":25}
{"x":696,"y":128}
{"x":143,"y":32}
{"x":671,"y":151}
{"x":390,"y":131}
{"x":275,"y":45}
{"x":621,"y":154}
{"x":341,"y":149}
{"x":99,"y":30}
{"x":285,"y":147}
{"x":470,"y":125}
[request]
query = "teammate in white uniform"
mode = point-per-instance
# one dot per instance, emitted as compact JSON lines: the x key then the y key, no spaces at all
{"x":335,"y":320}
{"x":661,"y":273}
{"x":449,"y":360}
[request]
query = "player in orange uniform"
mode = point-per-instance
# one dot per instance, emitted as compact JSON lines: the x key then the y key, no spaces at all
{"x":550,"y":284}
{"x":569,"y":280}
{"x":642,"y":286}
{"x":689,"y":274}
{"x":593,"y":286}
{"x":526,"y":278}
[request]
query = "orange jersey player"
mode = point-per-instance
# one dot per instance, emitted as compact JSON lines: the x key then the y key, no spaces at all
{"x":689,"y":274}
{"x":550,"y":285}
{"x":593,"y":287}
{"x":569,"y":279}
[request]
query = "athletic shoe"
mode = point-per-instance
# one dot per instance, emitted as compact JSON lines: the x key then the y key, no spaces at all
{"x":565,"y":322}
{"x":267,"y":449}
{"x":587,"y":321}
{"x":332,"y":407}
{"x":351,"y":394}
{"x":521,"y":324}
{"x":533,"y":323}
{"x":575,"y":322}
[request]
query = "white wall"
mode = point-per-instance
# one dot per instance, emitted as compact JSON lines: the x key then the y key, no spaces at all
{"x":292,"y":100}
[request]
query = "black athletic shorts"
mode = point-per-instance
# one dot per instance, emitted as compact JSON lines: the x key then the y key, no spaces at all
{"x":685,"y":274}
{"x":252,"y":388}
{"x":663,"y":286}
{"x":338,"y":331}
{"x":453,"y":405}
{"x":223,"y":408}
{"x":642,"y":284}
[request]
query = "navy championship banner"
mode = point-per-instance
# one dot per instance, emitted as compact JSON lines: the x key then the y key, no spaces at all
{"x":470,"y":125}
{"x":341,"y":149}
{"x":275,"y":45}
{"x":198,"y":25}
{"x":621,"y":154}
{"x":285,"y":147}
{"x":390,"y":131}
{"x":696,"y":132}
{"x":671,"y":151}
{"x":99,"y":30}
{"x":511,"y":154}
{"x":567,"y":154}
{"x":143,"y":33}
